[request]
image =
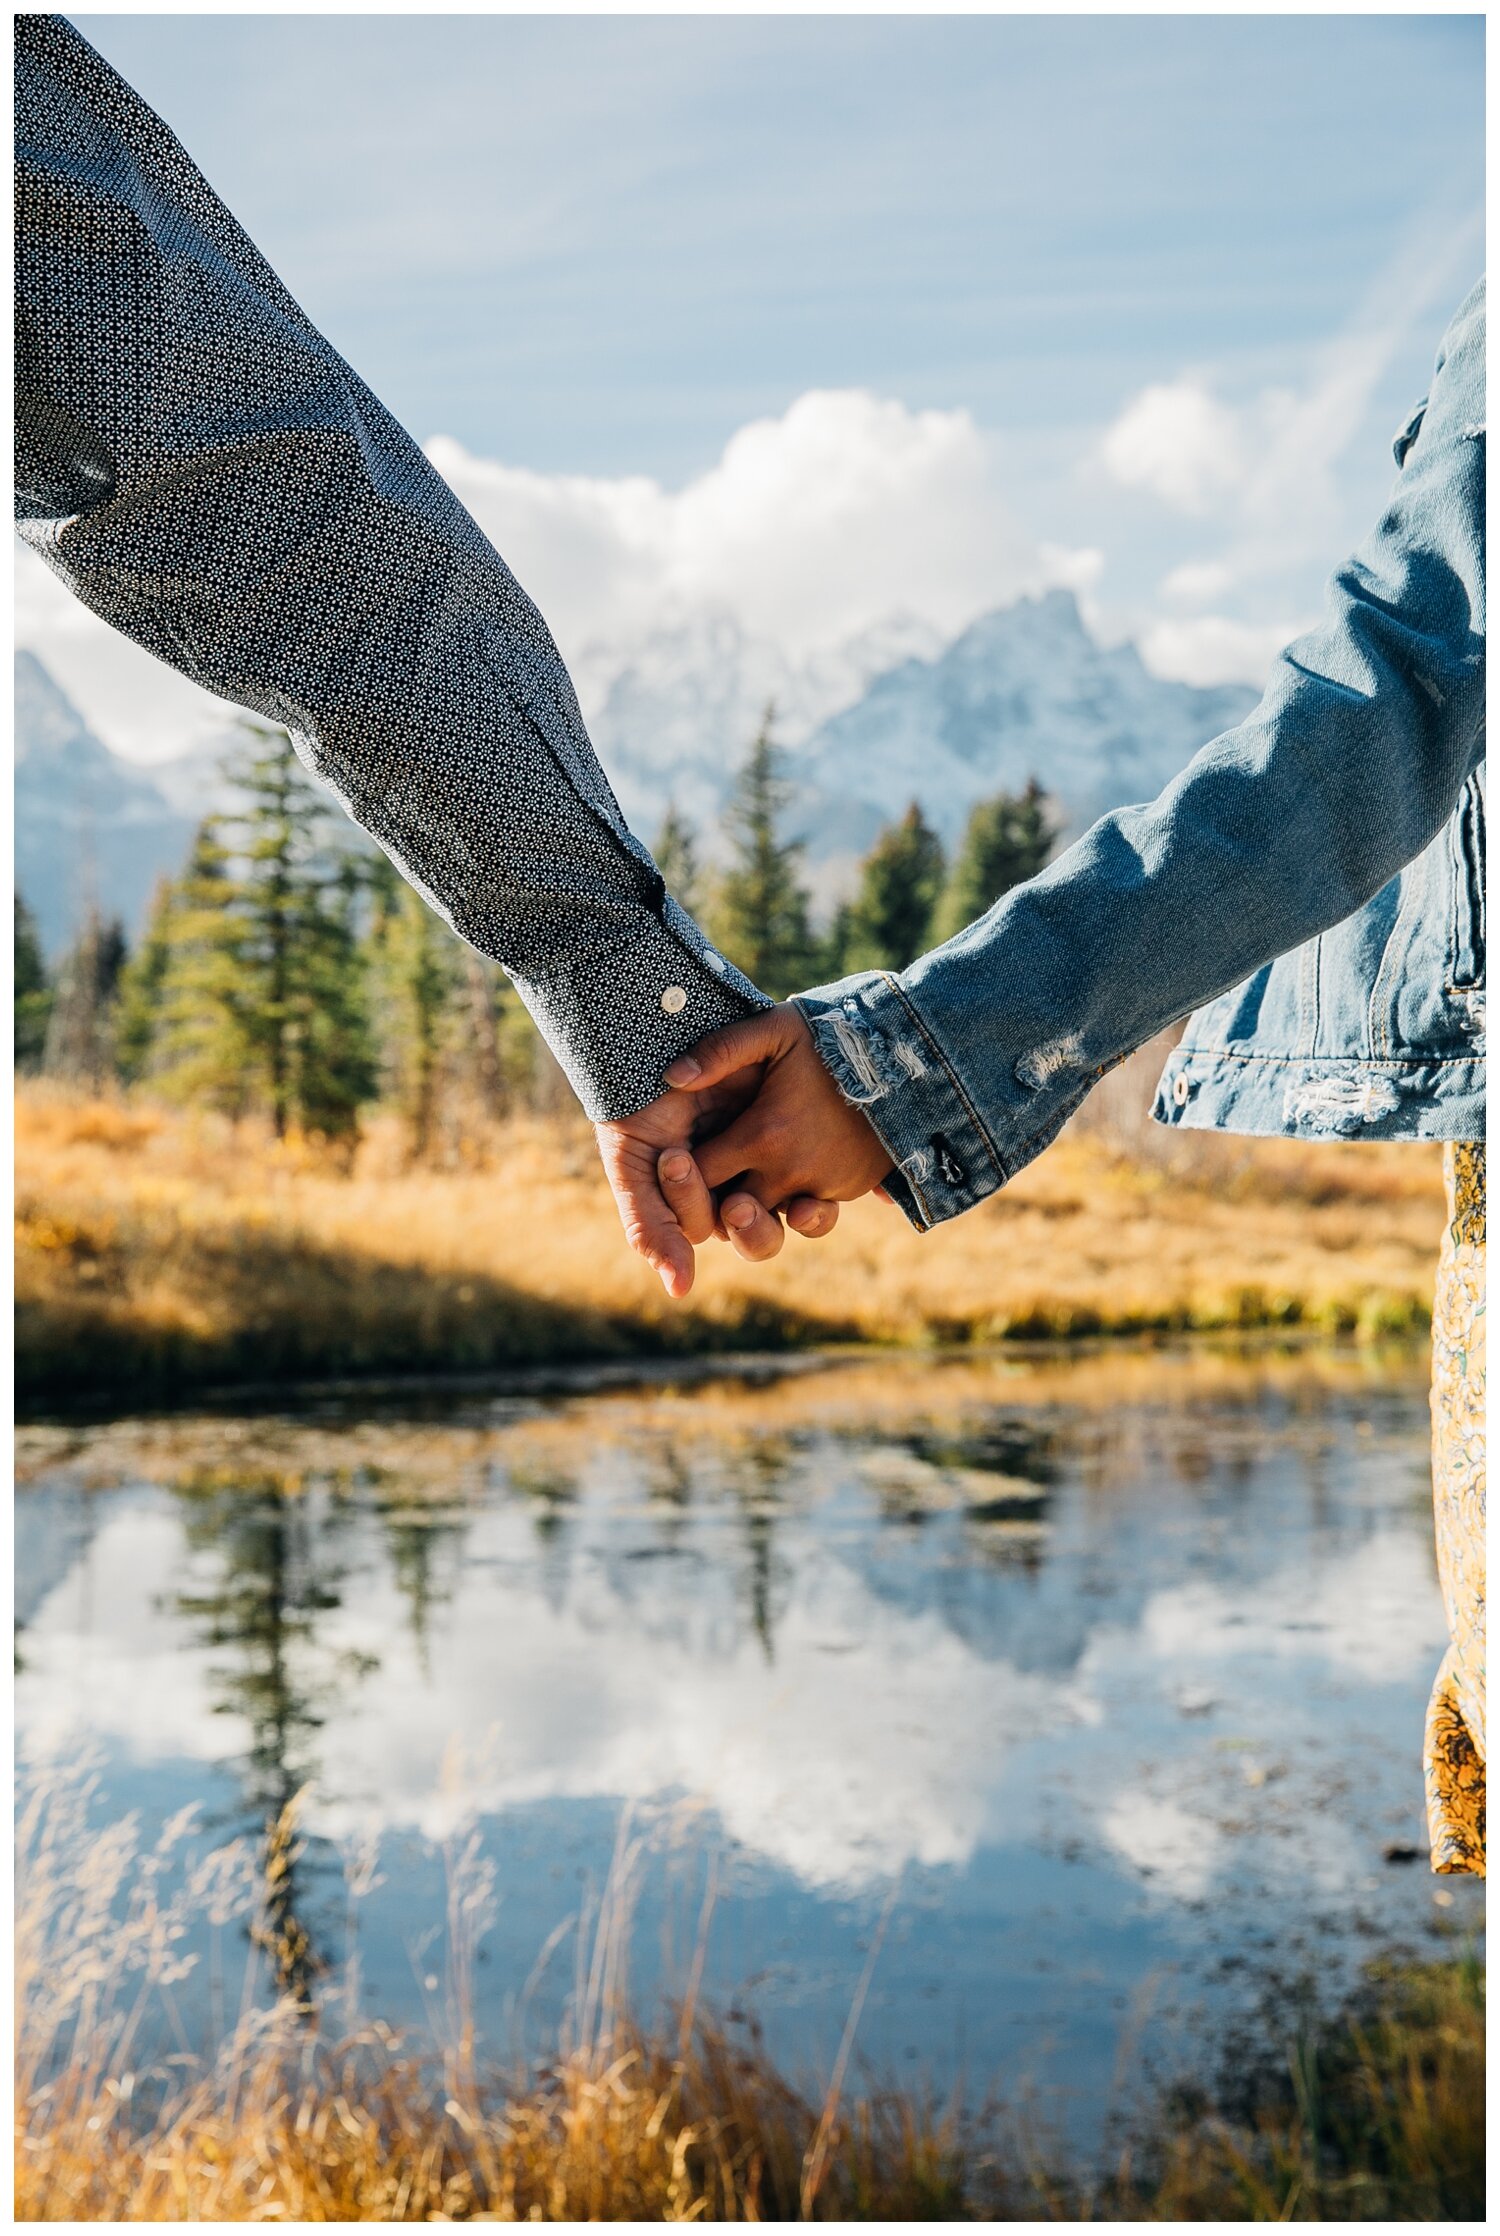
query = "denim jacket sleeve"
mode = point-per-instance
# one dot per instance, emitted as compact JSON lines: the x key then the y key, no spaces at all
{"x":968,"y":1063}
{"x":206,"y":473}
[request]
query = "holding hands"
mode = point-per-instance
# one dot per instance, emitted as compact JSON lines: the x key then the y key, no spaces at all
{"x":752,"y":1128}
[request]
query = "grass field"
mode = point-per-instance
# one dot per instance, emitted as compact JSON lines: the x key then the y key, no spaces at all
{"x":160,"y":1252}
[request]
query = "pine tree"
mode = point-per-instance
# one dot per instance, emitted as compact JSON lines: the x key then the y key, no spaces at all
{"x":415,"y":970}
{"x":485,"y":992}
{"x":32,"y":991}
{"x":199,"y":1041}
{"x":139,"y":1012}
{"x":262,"y":998}
{"x":837,"y":942}
{"x":890,"y":918}
{"x":676,"y":852}
{"x":760,"y":914}
{"x":80,"y":1025}
{"x":1007,"y":839}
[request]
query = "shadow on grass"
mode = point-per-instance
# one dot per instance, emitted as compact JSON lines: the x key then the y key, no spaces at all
{"x":129,"y":1305}
{"x":141,"y":1309}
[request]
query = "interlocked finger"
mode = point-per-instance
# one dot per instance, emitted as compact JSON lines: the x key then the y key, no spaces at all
{"x":754,"y":1232}
{"x":811,"y":1216}
{"x":687,"y":1195}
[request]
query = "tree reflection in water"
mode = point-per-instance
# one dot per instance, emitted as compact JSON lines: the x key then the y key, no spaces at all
{"x":277,"y":1572}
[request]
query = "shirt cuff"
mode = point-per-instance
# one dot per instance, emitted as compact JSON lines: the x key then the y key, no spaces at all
{"x":884,"y":1059}
{"x":615,"y":1021}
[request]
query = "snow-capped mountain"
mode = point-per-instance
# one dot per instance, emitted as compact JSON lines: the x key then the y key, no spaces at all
{"x":671,"y":716}
{"x":894,"y":714}
{"x":897,"y":715}
{"x":89,"y":825}
{"x":1026,"y":691}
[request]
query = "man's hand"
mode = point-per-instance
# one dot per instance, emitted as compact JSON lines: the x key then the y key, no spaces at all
{"x":664,"y":1205}
{"x":792,"y":1140}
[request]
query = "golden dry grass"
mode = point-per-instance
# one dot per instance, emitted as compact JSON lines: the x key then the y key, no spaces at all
{"x":165,"y":1250}
{"x":292,"y":2117}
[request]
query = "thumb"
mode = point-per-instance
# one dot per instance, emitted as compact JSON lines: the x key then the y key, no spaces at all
{"x":754,"y":1040}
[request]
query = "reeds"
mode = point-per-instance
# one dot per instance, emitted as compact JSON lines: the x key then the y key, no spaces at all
{"x":160,"y":1253}
{"x":299,"y":2113}
{"x":319,"y":2112}
{"x":1378,"y":2117}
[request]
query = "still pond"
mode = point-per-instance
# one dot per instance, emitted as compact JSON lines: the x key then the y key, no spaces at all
{"x":1090,"y":1687}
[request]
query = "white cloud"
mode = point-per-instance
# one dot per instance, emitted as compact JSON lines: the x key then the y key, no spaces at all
{"x":1266,"y":471}
{"x":136,"y":703}
{"x":1367,"y":1617}
{"x":1179,"y":443}
{"x":1178,"y":1846}
{"x":809,"y":528}
{"x":599,"y":1704}
{"x":1197,"y":582}
{"x":820,"y":524}
{"x":1213,"y":648}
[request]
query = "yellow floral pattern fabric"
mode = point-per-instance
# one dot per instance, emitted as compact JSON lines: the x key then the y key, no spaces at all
{"x":1455,"y":1713}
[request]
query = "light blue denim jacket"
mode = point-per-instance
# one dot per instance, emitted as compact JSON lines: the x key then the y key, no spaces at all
{"x":1315,"y":877}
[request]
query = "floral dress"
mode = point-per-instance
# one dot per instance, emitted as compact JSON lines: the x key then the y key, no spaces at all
{"x":1455,"y":1713}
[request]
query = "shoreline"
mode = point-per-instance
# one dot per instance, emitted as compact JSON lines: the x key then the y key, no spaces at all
{"x":586,"y":1377}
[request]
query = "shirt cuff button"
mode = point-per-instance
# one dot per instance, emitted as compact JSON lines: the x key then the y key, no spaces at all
{"x":1182,"y":1087}
{"x":673,"y":999}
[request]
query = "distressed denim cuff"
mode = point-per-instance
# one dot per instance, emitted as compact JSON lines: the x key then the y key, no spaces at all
{"x":884,"y":1060}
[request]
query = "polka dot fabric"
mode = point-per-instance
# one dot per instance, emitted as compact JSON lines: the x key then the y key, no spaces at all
{"x":207,"y":475}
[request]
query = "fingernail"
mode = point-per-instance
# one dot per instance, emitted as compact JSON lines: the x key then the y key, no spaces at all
{"x":676,"y":1166}
{"x":683,"y":1072}
{"x":740,"y":1216}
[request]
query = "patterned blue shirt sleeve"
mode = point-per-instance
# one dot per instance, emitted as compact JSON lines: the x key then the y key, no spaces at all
{"x":206,"y":473}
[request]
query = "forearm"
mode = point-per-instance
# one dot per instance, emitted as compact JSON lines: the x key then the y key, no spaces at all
{"x":210,"y":478}
{"x":968,"y":1063}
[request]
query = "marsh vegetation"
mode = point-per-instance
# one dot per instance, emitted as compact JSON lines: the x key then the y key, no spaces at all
{"x":162,"y":1251}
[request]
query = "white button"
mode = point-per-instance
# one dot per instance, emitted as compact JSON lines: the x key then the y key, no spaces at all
{"x":1181,"y":1089}
{"x":715,"y":962}
{"x":673,"y":999}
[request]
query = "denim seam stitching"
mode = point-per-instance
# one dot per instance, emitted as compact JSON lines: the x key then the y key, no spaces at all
{"x":989,"y":1146}
{"x":1368,"y":1063}
{"x":824,"y":1058}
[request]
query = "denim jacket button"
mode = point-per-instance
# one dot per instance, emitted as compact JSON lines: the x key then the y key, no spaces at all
{"x":1181,"y":1089}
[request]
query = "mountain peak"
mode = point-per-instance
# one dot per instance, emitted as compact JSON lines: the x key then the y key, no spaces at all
{"x":1042,"y":618}
{"x":90,"y":827}
{"x":47,"y":722}
{"x":1026,"y":690}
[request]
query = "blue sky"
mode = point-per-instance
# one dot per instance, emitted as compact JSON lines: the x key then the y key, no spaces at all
{"x":599,"y":246}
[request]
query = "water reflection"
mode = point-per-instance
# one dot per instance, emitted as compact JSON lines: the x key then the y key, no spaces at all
{"x":1117,"y":1665}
